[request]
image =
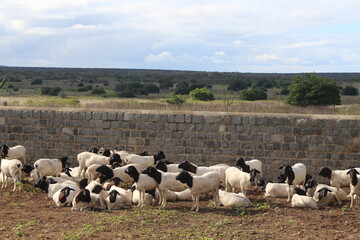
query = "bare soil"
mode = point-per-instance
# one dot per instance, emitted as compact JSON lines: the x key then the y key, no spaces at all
{"x":28,"y":214}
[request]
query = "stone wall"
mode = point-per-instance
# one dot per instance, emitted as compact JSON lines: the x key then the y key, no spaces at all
{"x":201,"y":137}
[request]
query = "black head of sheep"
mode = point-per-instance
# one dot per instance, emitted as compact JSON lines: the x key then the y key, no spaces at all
{"x":132,"y":172}
{"x":113,"y":194}
{"x":27,"y":168}
{"x":353,"y":176}
{"x":5,"y":150}
{"x":323,"y":192}
{"x":161,"y":166}
{"x":115,"y":158}
{"x":83,"y":196}
{"x":288,"y":173}
{"x":64,"y":193}
{"x":185,"y":177}
{"x":152,"y":172}
{"x":42,"y":184}
{"x":240,"y":162}
{"x":188,"y":166}
{"x":325,"y":172}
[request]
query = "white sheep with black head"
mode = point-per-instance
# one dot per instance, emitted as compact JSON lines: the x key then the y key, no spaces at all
{"x":208,"y":182}
{"x":17,"y":152}
{"x":295,"y":175}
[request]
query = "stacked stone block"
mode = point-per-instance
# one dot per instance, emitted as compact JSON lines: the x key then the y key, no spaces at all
{"x":202,"y":137}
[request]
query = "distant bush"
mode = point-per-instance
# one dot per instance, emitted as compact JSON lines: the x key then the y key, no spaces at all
{"x":238,"y":85}
{"x":151,"y":88}
{"x":165,"y":83}
{"x":176,"y":99}
{"x":81,"y":84}
{"x":98,"y":91}
{"x":202,"y":94}
{"x":120,"y":87}
{"x":36,"y":82}
{"x":52,"y":91}
{"x":253,"y":94}
{"x":196,"y":85}
{"x":350,"y":91}
{"x":14,"y":79}
{"x":182,"y":88}
{"x":313,"y":90}
{"x":284,"y":91}
{"x":126,"y":94}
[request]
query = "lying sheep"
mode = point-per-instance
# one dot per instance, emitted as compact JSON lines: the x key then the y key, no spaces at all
{"x":312,"y":190}
{"x":64,"y":197}
{"x":230,"y":199}
{"x":300,"y":200}
{"x":10,"y":168}
{"x":85,"y":200}
{"x":208,"y":182}
{"x":17,"y":152}
{"x":114,"y":200}
{"x":50,"y":188}
{"x":326,"y":197}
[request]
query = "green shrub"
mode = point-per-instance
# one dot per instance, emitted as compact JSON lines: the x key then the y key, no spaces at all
{"x":253,"y":94}
{"x":52,"y":91}
{"x":313,"y":90}
{"x":176,"y":99}
{"x":126,"y":94}
{"x":98,"y":91}
{"x":202,"y":94}
{"x":36,"y":82}
{"x":350,"y":91}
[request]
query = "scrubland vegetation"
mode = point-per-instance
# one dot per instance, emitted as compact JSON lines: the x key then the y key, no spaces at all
{"x":171,"y":90}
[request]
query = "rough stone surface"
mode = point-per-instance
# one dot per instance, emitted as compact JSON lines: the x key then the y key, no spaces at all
{"x":204,"y":138}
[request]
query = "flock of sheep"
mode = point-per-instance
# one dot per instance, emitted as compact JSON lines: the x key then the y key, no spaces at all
{"x":96,"y":182}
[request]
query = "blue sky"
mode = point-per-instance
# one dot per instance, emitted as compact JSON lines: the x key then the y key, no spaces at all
{"x":284,"y":36}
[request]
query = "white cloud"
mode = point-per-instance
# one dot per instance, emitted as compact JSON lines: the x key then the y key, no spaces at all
{"x":161,"y":57}
{"x":258,"y":33}
{"x":265,"y":58}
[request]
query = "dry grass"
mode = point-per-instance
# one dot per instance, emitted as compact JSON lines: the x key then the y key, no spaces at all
{"x":160,"y":104}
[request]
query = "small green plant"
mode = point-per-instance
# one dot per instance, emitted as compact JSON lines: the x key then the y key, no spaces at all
{"x":176,"y":99}
{"x":202,"y":94}
{"x":237,"y":210}
{"x":345,"y":208}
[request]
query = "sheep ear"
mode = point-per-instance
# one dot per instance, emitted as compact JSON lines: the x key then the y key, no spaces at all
{"x":282,"y":167}
{"x":257,"y":171}
{"x":348,"y":172}
{"x":356,"y":171}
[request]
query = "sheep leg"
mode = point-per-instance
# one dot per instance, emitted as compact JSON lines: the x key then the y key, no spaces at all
{"x":164,"y":198}
{"x":289,"y":194}
{"x":194,"y":202}
{"x":3,"y":180}
{"x":197,"y":197}
{"x":141,"y":200}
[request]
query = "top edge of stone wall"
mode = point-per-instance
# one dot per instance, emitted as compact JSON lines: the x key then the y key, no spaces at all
{"x":178,"y":112}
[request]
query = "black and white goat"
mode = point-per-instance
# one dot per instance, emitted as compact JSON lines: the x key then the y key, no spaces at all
{"x":300,"y":200}
{"x":85,"y":200}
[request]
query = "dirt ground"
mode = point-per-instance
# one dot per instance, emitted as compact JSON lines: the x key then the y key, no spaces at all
{"x":28,"y":214}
